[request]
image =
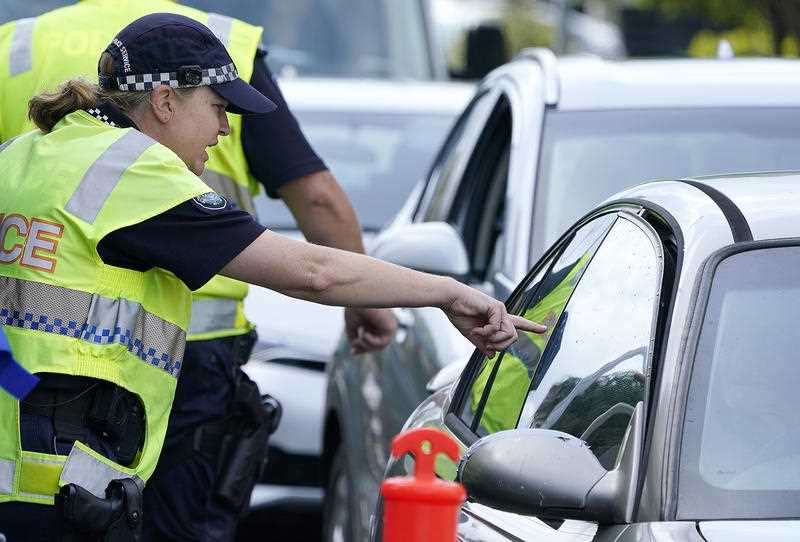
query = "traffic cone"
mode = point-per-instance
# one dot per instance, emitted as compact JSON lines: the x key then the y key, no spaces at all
{"x":421,"y":508}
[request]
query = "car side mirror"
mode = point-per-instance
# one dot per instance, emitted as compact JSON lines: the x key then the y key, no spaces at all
{"x":434,"y":247}
{"x":550,"y":474}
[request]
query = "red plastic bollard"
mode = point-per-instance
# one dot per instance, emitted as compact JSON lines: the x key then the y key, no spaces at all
{"x":422,"y":508}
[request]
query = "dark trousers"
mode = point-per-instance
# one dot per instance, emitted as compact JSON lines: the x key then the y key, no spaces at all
{"x":25,"y":522}
{"x":178,"y":499}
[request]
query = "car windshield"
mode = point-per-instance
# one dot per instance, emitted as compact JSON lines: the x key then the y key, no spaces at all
{"x":377,"y":158}
{"x":740,"y":456}
{"x":337,"y":38}
{"x":589,"y":155}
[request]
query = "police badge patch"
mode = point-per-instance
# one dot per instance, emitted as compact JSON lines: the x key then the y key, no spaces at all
{"x":211,"y":201}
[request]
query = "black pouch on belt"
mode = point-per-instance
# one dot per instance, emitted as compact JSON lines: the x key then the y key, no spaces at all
{"x":119,"y":416}
{"x":244,"y":449}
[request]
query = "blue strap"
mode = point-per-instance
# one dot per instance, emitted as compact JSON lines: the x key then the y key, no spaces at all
{"x":13,"y":377}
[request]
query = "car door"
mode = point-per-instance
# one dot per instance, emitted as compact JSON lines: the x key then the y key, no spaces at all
{"x":599,"y":295}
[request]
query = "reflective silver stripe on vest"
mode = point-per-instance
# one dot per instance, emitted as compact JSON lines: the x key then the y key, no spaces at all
{"x":104,"y":174}
{"x":209,"y":315}
{"x":90,"y":473}
{"x":230,"y":189}
{"x":220,"y":25}
{"x":6,"y":476}
{"x":92,"y":318}
{"x":5,"y":145}
{"x":20,"y":54}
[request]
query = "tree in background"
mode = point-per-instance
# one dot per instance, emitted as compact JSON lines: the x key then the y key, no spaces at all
{"x":761,"y":27}
{"x":523,"y":28}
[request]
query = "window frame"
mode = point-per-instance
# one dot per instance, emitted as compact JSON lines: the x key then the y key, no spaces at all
{"x":468,"y":211}
{"x":458,"y":134}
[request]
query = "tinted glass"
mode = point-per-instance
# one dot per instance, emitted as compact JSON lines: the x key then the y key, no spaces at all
{"x":592,"y":372}
{"x":508,"y":378}
{"x":376,"y":158}
{"x":741,"y":446}
{"x":589,"y":155}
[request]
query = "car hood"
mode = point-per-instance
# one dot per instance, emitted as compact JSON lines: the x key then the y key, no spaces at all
{"x":750,"y":531}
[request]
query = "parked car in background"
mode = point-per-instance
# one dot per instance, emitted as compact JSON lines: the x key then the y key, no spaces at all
{"x":656,"y":406}
{"x":585,"y":33}
{"x":543,"y":141}
{"x":378,"y":138}
{"x":375,"y":39}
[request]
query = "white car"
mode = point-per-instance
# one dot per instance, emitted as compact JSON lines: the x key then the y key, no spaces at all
{"x":378,"y":138}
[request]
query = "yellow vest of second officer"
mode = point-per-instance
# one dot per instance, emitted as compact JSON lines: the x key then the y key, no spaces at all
{"x":41,"y":52}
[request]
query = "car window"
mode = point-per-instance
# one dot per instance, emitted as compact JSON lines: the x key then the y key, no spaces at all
{"x":591,"y":375}
{"x":370,"y":153}
{"x":478,"y":205}
{"x":497,"y":393}
{"x":740,"y":449}
{"x":452,"y":161}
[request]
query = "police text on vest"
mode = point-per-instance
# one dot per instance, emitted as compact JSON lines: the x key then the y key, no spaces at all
{"x":29,"y":241}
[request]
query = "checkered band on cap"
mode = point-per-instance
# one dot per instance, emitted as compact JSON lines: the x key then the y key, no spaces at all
{"x":148,"y":81}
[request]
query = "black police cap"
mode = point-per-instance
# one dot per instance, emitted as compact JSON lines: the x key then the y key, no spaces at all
{"x":170,"y":49}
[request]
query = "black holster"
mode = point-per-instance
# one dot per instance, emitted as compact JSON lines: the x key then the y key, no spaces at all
{"x":117,"y":518}
{"x":243,"y":451}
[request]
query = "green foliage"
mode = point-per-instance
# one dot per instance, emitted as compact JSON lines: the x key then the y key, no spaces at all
{"x":523,"y":29}
{"x":725,"y":13}
{"x":744,"y":41}
{"x":753,"y":27}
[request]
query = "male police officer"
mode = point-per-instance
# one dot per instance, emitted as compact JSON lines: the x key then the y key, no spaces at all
{"x":40,"y":52}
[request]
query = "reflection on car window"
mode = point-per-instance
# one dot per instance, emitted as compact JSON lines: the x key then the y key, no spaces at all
{"x":508,"y":378}
{"x":741,"y":447}
{"x":592,"y":373}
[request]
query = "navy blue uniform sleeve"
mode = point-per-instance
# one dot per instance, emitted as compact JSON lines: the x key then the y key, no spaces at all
{"x":191,"y":240}
{"x":275,"y":148}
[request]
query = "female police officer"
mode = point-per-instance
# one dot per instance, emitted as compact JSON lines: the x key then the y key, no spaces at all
{"x":104,"y":228}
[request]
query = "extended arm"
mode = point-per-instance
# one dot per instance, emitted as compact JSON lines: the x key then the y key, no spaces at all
{"x":326,"y":217}
{"x":338,"y":277}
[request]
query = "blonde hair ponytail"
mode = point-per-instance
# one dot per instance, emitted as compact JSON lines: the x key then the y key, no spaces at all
{"x":47,"y":108}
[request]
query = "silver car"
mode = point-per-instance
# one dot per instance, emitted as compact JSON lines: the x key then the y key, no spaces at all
{"x":659,"y":404}
{"x":543,"y":141}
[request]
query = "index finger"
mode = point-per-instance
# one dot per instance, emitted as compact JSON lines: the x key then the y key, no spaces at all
{"x":526,"y":325}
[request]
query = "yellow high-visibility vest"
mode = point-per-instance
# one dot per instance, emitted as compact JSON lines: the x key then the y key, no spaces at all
{"x":65,"y":311}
